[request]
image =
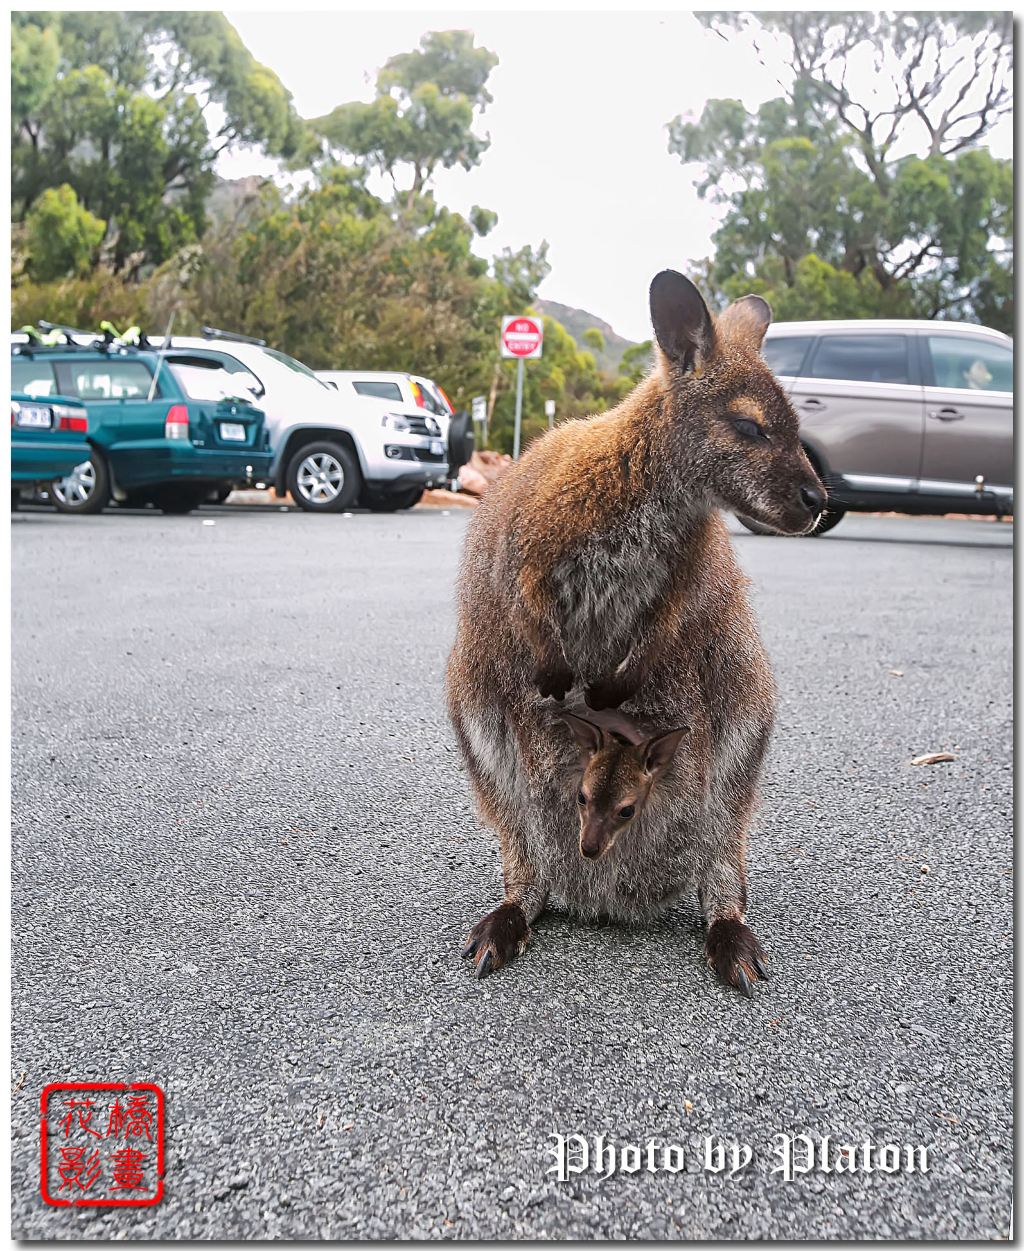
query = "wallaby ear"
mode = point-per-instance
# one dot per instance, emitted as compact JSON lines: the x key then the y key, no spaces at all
{"x":658,"y":751}
{"x":747,"y":318}
{"x":589,"y":736}
{"x":681,"y":320}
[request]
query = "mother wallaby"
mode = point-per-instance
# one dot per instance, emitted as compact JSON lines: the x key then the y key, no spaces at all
{"x":601,"y":561}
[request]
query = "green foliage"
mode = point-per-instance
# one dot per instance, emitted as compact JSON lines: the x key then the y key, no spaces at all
{"x":81,"y":302}
{"x":636,"y":362}
{"x":564,"y":374}
{"x":113,"y":153}
{"x":62,"y":235}
{"x":116,"y":106}
{"x":821,"y":218}
{"x":423,"y":113}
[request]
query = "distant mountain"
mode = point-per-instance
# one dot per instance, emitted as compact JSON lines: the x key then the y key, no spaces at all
{"x":576,"y":320}
{"x":232,"y":197}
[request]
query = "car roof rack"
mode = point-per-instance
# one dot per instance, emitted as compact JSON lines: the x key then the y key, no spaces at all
{"x":211,"y":332}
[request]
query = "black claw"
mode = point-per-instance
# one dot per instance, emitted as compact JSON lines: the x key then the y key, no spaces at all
{"x":743,"y":982}
{"x":483,"y":968}
{"x":469,"y":948}
{"x":762,"y":968}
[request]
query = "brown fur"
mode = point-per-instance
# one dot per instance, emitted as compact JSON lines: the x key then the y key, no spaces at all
{"x":600,"y":564}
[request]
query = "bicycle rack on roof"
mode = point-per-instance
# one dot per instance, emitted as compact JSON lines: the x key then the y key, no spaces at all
{"x":211,"y":332}
{"x":42,"y":337}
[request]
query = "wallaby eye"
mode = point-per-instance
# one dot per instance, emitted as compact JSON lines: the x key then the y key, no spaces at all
{"x":749,"y":430}
{"x":626,"y":812}
{"x":581,"y":799}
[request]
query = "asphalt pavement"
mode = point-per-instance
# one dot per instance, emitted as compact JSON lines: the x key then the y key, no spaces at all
{"x":245,"y":857}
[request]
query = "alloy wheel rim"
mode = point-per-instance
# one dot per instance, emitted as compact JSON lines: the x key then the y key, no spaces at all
{"x":78,"y":486}
{"x":320,"y":478}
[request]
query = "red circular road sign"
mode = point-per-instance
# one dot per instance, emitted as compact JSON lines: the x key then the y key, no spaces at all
{"x":522,"y":336}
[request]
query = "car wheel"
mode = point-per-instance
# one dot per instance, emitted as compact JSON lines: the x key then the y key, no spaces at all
{"x":755,"y":527}
{"x":828,"y":520}
{"x":323,"y":478}
{"x":176,"y":501}
{"x":461,"y":442}
{"x":15,"y":499}
{"x":86,"y":489}
{"x":394,"y":503}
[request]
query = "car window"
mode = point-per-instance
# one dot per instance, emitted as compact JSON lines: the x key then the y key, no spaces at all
{"x":110,"y":379}
{"x":970,"y":364}
{"x":210,"y":380}
{"x":382,"y":390}
{"x":785,"y":354}
{"x":862,"y":358}
{"x":33,"y":377}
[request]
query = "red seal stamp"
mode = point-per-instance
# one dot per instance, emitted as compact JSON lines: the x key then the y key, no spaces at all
{"x":102,"y":1144}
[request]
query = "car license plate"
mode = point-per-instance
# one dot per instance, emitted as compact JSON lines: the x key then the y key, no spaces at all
{"x":34,"y":417}
{"x":232,"y":430}
{"x":436,"y":447}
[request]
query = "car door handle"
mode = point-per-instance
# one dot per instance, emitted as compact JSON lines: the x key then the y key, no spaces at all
{"x":946,"y":414}
{"x":813,"y":404}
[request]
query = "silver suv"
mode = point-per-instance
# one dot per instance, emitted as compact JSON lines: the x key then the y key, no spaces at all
{"x":908,"y":416}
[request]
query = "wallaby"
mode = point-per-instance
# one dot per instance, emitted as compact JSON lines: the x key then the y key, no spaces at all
{"x":600,"y":562}
{"x":618,"y":773}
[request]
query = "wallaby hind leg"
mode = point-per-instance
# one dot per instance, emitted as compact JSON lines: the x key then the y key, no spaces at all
{"x":731,"y":947}
{"x":502,"y":934}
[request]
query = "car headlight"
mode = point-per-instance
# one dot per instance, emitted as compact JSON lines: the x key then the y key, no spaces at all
{"x":433,"y":425}
{"x":395,"y":421}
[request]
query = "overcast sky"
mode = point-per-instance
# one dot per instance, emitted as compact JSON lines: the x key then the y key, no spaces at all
{"x":578,"y":151}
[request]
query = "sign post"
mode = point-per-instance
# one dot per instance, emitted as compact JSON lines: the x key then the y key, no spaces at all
{"x":480,"y":413}
{"x":549,"y":409}
{"x":522,"y":339}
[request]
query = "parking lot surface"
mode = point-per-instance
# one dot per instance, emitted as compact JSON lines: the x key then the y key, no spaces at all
{"x":245,"y":857}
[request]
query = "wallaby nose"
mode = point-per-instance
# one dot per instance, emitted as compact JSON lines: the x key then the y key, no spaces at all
{"x":812,"y":499}
{"x":590,"y":849}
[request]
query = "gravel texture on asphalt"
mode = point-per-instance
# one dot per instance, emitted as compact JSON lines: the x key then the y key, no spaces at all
{"x":245,"y":858}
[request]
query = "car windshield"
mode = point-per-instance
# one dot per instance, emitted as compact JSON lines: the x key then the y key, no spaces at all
{"x":296,"y":366}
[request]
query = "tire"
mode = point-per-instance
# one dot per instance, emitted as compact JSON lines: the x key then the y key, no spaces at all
{"x":323,"y":478}
{"x":394,"y":503}
{"x":176,"y":501}
{"x":828,"y":520}
{"x":85,"y":490}
{"x":15,"y":499}
{"x":755,"y":527}
{"x":461,"y":442}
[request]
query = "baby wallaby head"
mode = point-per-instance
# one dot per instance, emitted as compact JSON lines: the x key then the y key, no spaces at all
{"x":617,"y":780}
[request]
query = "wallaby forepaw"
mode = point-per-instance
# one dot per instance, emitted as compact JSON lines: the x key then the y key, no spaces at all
{"x":555,"y":681}
{"x":737,"y":957}
{"x":498,"y":938}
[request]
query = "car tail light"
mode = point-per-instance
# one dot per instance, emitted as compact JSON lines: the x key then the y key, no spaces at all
{"x":417,"y":394}
{"x":70,"y":419}
{"x":176,"y":425}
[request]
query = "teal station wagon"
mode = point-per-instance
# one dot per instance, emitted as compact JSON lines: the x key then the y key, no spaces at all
{"x":159,"y":432}
{"x":48,"y":440}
